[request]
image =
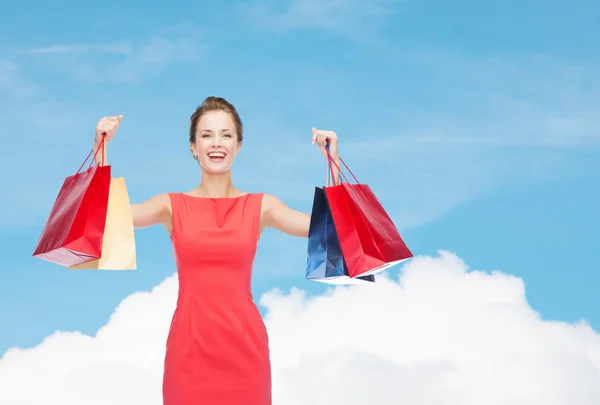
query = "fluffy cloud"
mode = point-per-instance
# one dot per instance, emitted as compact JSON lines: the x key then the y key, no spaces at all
{"x":439,"y":335}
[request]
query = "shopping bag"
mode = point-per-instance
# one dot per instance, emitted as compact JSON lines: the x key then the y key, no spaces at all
{"x":73,"y":231}
{"x":118,"y":242}
{"x":325,"y":262}
{"x":369,"y":240}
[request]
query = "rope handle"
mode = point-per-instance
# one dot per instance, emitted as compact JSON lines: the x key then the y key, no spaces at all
{"x":330,"y":174}
{"x":101,"y":146}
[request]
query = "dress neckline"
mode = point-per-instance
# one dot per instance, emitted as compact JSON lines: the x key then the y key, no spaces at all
{"x":214,"y":198}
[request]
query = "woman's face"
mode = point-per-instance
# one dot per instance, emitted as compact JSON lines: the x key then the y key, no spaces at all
{"x":216,"y":142}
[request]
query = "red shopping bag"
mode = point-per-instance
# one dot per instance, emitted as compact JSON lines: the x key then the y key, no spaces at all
{"x":74,"y":229}
{"x":369,"y":240}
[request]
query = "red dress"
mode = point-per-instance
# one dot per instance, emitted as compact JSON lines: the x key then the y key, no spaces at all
{"x":217,"y":349}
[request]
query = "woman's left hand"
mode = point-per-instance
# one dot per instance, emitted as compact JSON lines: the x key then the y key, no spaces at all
{"x":322,"y":138}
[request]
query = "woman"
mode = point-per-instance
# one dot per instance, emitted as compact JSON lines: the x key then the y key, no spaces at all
{"x":217,"y":349}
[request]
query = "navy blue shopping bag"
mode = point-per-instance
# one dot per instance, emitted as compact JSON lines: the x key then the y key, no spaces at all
{"x":325,"y":262}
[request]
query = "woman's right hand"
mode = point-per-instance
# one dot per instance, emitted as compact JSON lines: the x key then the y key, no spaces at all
{"x":108,"y":126}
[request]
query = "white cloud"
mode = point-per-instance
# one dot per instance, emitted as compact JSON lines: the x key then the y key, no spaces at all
{"x":8,"y":72}
{"x":440,"y":335}
{"x":151,"y":57}
{"x":117,"y":48}
{"x":124,"y":60}
{"x":12,"y":80}
{"x":353,"y":19}
{"x":527,"y":100}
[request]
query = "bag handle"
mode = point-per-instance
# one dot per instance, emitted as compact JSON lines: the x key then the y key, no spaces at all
{"x":330,"y":161}
{"x":101,"y":146}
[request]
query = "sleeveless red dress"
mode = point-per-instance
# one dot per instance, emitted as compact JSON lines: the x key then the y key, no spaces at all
{"x":217,"y":350}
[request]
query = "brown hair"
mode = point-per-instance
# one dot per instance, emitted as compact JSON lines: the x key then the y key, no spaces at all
{"x":212,"y":103}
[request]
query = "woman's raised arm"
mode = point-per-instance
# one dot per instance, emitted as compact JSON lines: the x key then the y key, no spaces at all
{"x":279,"y":216}
{"x":156,"y":210}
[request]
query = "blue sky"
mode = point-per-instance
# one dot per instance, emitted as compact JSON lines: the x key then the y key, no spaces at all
{"x":476,"y":125}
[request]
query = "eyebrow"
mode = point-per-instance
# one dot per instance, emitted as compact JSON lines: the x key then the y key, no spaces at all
{"x":210,"y":130}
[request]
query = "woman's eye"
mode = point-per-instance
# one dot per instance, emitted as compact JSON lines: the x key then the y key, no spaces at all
{"x":205,"y":135}
{"x":227,"y":135}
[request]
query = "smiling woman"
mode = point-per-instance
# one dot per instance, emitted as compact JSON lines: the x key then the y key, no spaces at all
{"x":218,"y":347}
{"x":216,"y":140}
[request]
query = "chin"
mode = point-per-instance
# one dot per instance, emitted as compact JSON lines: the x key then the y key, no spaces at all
{"x":216,"y":168}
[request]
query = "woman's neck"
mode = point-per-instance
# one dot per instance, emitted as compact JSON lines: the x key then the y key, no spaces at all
{"x":216,"y":186}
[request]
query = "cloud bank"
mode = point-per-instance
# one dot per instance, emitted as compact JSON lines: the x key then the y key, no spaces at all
{"x":441,"y":334}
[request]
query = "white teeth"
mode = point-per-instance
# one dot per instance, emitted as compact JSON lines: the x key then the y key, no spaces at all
{"x":216,"y":154}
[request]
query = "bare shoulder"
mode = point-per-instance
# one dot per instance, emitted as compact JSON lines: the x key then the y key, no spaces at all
{"x":159,"y":202}
{"x":163,"y":200}
{"x":269,"y":203}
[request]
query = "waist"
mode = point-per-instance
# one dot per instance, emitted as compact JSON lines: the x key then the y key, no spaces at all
{"x":210,"y":286}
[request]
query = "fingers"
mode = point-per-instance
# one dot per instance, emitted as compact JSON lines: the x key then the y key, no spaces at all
{"x":107,"y":128}
{"x":114,"y":120}
{"x":109,"y":124}
{"x":322,"y":137}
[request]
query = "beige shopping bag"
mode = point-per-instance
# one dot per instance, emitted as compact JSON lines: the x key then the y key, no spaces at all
{"x":118,"y":243}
